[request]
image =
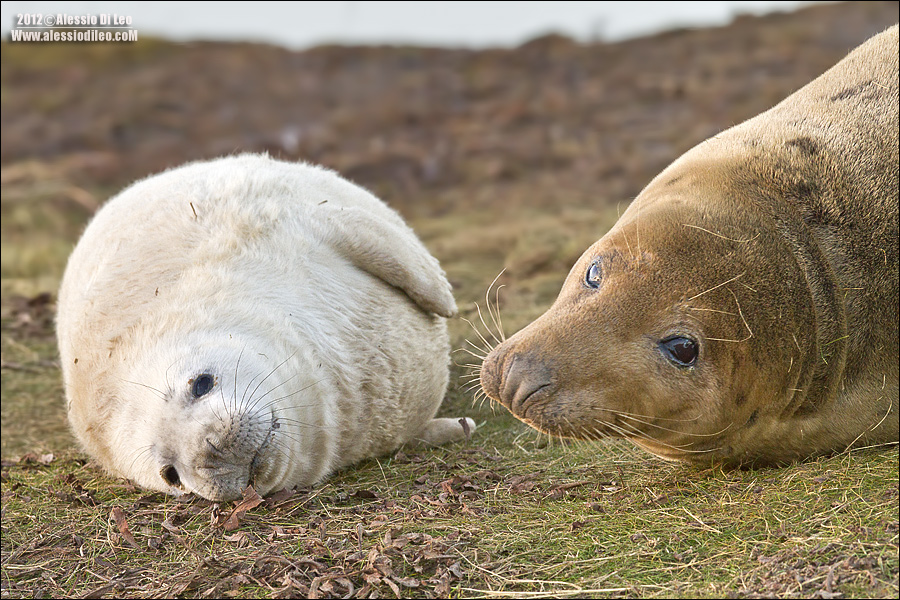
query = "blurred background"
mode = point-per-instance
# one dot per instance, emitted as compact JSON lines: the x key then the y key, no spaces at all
{"x":300,"y":25}
{"x":509,"y":135}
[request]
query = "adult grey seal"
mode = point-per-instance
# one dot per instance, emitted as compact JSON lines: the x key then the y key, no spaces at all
{"x":743,"y":310}
{"x":249,"y":321}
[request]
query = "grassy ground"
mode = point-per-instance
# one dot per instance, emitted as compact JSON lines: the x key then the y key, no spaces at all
{"x":509,"y":513}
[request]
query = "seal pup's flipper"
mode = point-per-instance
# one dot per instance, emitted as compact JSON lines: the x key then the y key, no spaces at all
{"x":391,"y":252}
{"x":443,"y":430}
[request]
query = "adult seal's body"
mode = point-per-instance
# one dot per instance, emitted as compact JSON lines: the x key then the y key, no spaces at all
{"x":744,"y":308}
{"x":249,"y":321}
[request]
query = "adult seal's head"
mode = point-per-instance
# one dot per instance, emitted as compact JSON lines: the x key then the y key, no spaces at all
{"x":744,"y":308}
{"x":247,"y":321}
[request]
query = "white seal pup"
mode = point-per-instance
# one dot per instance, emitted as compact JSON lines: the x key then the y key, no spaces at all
{"x":247,"y":321}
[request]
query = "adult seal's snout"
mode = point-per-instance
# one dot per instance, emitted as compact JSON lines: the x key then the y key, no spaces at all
{"x":522,"y":379}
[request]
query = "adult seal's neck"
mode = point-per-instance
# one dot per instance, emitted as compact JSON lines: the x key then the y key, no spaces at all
{"x":795,"y":204}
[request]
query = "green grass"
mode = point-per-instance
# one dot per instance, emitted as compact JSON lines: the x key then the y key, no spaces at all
{"x":510,"y":513}
{"x":515,"y":520}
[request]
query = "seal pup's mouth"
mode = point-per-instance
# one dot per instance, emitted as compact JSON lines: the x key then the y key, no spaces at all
{"x":259,"y":465}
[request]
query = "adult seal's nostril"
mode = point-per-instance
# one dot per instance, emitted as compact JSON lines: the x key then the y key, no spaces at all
{"x":525,"y":377}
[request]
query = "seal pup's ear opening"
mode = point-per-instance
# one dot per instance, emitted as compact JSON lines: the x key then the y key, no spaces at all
{"x":393,"y":253}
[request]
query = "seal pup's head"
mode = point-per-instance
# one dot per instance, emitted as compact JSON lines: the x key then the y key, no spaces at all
{"x":209,"y":418}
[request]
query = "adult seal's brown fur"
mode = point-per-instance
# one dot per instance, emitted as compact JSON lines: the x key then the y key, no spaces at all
{"x":744,"y":308}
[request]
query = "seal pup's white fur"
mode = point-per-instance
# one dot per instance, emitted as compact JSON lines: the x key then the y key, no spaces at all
{"x":249,"y":321}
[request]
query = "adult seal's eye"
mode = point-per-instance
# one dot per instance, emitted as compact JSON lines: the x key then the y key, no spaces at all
{"x":680,"y":351}
{"x":594,"y":276}
{"x":202,"y":384}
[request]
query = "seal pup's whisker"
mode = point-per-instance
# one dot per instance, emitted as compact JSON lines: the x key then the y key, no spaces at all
{"x":143,"y":453}
{"x":275,"y":401}
{"x":272,"y":372}
{"x":254,"y":402}
{"x":169,"y":384}
{"x":160,"y":393}
{"x":213,"y":409}
{"x":306,"y":425}
{"x":237,"y":366}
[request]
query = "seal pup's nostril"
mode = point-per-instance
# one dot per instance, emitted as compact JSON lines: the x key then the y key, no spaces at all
{"x":170,"y":475}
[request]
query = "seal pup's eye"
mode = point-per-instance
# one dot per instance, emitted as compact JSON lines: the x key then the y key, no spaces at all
{"x":681,"y":351}
{"x":202,"y":384}
{"x":594,"y":276}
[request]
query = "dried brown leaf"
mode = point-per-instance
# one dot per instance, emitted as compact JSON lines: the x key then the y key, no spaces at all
{"x":250,"y":501}
{"x":118,"y":516}
{"x":393,"y":586}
